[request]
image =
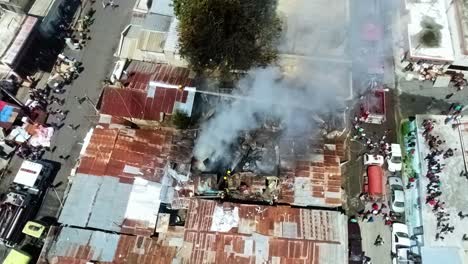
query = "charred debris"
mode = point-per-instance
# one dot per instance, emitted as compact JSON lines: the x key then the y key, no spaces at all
{"x":257,"y":169}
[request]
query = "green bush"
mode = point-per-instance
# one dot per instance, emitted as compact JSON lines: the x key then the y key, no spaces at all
{"x":181,"y":120}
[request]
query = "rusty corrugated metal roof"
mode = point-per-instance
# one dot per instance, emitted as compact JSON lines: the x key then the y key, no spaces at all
{"x":137,"y":104}
{"x":128,"y":153}
{"x":312,"y":174}
{"x":141,"y":73}
{"x":308,"y":224}
{"x":264,"y":233}
{"x":119,"y":249}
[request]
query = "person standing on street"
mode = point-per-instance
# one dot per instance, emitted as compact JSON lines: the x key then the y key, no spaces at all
{"x":378,"y":241}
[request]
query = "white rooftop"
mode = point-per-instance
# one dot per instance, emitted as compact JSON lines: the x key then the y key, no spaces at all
{"x":163,"y":7}
{"x":28,"y":173}
{"x":435,"y":9}
{"x":10,"y":24}
{"x":453,"y":187}
{"x":40,"y":8}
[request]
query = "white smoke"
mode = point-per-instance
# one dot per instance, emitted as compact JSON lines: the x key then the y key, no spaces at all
{"x":267,"y":94}
{"x":312,"y":78}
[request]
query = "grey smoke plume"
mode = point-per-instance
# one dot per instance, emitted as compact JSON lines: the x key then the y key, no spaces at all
{"x":290,"y":99}
{"x":313,"y":77}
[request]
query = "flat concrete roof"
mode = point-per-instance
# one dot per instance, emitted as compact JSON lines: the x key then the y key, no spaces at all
{"x":418,"y":11}
{"x":453,"y":187}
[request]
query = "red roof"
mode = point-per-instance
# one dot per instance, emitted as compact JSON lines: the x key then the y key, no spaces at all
{"x":312,"y":174}
{"x":137,"y":104}
{"x":141,"y":73}
{"x":110,"y":151}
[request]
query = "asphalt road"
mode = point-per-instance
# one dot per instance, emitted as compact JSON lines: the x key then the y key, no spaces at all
{"x":97,"y":58}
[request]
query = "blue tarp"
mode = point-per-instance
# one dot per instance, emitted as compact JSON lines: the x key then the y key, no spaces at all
{"x":5,"y":114}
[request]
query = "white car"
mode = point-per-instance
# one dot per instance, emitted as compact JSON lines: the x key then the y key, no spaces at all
{"x":400,"y":242}
{"x":395,"y":161}
{"x":397,"y":198}
{"x":370,"y":159}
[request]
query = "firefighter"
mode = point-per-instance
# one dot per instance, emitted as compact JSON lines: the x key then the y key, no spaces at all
{"x":228,"y":174}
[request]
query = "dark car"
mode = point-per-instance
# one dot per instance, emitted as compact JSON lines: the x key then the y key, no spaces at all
{"x":356,"y":256}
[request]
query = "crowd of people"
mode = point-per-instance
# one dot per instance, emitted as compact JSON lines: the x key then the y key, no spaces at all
{"x":434,"y":167}
{"x":454,"y":113}
{"x":374,"y":143}
{"x":370,"y":213}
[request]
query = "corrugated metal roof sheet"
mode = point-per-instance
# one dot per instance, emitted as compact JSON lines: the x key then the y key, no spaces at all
{"x":96,"y":202}
{"x":312,"y":174}
{"x":110,"y":151}
{"x":307,"y":224}
{"x":142,"y":73}
{"x":276,"y":234}
{"x":106,"y":204}
{"x":77,"y":246}
{"x":137,"y":104}
{"x":81,"y":244}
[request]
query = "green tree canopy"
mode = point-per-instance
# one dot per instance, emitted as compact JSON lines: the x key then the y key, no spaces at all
{"x":225,"y":35}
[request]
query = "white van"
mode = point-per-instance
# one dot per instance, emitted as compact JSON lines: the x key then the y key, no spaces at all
{"x":395,"y":161}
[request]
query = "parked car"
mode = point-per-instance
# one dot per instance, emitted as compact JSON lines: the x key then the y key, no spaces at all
{"x":355,"y":253}
{"x":397,"y":197}
{"x":395,"y":161}
{"x":370,"y":159}
{"x":400,"y":240}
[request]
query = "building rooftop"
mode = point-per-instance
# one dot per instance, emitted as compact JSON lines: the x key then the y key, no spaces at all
{"x":453,"y":187}
{"x":311,"y":174}
{"x":228,"y":233}
{"x":67,"y":245}
{"x":106,"y":204}
{"x":163,"y":7}
{"x":10,"y":23}
{"x":128,"y":153}
{"x":20,"y":40}
{"x":152,"y":104}
{"x":419,"y":11}
{"x":40,"y":8}
{"x":79,"y":244}
{"x":141,"y":74}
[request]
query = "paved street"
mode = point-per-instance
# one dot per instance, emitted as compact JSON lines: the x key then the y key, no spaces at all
{"x":369,"y":232}
{"x":97,"y":58}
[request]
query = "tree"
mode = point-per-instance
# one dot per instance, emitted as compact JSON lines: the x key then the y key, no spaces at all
{"x":430,"y":35}
{"x":180,"y":120}
{"x":226,"y":35}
